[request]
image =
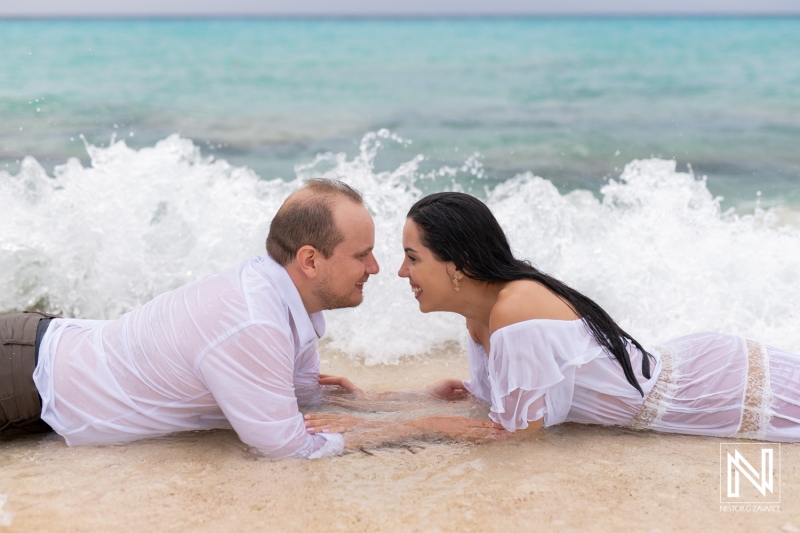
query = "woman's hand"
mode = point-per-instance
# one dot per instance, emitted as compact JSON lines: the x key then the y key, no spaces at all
{"x":448,"y":389}
{"x":342,"y":382}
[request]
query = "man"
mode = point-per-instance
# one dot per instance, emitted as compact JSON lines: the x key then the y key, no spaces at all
{"x":228,"y":350}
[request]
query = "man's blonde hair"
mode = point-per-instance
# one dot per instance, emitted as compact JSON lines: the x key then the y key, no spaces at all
{"x":306,"y":218}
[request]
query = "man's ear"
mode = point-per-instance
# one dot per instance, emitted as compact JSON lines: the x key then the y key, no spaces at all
{"x":307,"y":259}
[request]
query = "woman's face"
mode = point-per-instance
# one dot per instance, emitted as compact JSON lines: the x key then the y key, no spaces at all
{"x":430,"y":278}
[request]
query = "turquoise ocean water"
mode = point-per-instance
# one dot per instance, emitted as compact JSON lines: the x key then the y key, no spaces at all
{"x":652,"y":162}
{"x":572,"y":100}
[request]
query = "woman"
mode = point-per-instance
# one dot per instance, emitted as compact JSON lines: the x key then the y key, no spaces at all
{"x":542,"y":353}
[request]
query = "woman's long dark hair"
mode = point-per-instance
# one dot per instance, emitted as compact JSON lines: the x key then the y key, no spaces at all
{"x":460,"y":228}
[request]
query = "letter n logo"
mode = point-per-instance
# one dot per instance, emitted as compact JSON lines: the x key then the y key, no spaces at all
{"x":749,"y":473}
{"x":737,"y":464}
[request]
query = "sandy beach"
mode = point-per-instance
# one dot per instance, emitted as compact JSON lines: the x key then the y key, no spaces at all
{"x":567,"y":478}
{"x":649,"y":162}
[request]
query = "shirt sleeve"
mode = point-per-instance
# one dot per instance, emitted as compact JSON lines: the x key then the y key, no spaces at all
{"x":532,"y":374}
{"x":478,"y":383}
{"x":306,"y":378}
{"x":251,"y":376}
{"x":517,"y":408}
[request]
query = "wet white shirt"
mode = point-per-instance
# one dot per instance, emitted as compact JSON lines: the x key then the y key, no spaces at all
{"x":232,"y":350}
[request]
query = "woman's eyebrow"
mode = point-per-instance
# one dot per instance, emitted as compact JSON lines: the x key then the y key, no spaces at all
{"x":409,"y":250}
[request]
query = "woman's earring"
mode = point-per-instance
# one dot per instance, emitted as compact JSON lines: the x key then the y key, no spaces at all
{"x":455,"y":283}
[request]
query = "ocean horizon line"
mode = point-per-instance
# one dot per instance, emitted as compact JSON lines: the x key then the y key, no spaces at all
{"x":399,"y":16}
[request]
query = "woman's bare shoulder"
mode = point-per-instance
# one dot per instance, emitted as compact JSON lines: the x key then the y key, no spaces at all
{"x":528,"y":300}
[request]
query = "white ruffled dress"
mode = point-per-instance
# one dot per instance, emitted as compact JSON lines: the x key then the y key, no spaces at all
{"x":702,"y":384}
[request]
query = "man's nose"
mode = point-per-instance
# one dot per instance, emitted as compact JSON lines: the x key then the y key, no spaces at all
{"x":372,"y":265}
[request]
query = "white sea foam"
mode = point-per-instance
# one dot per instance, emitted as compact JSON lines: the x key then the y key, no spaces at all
{"x":655,"y":250}
{"x":6,"y":517}
{"x":658,"y":254}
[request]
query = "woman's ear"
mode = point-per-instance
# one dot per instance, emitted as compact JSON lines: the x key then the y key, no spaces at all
{"x":461,"y":273}
{"x":453,"y":270}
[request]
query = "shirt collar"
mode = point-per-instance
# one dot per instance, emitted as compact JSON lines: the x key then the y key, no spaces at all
{"x":309,"y":327}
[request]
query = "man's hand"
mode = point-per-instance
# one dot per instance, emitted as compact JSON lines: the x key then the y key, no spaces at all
{"x":342,"y":382}
{"x":448,"y":389}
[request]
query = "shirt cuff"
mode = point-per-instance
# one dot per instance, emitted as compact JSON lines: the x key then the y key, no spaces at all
{"x":334,"y":445}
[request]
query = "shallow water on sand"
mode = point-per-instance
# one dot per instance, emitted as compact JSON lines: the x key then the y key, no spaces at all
{"x":567,"y":478}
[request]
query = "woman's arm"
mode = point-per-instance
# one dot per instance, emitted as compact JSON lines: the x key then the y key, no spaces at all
{"x":450,"y":389}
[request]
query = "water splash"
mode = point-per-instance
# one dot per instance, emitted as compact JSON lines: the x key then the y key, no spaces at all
{"x":658,"y":254}
{"x":654,"y":249}
{"x":5,"y":516}
{"x":99,"y":241}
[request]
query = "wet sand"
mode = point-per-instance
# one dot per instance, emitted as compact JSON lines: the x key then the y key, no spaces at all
{"x":567,"y":478}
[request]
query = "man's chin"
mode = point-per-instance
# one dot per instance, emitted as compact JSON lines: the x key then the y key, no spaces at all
{"x":343,"y":304}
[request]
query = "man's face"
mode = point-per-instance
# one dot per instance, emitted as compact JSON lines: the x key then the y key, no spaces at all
{"x":344,"y":273}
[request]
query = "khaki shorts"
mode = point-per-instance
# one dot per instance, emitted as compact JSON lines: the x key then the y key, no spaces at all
{"x":20,"y":406}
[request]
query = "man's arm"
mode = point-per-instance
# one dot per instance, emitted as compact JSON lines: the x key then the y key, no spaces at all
{"x":251,"y":376}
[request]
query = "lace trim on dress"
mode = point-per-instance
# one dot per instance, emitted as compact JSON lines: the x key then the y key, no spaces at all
{"x":655,"y":405}
{"x":757,"y":393}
